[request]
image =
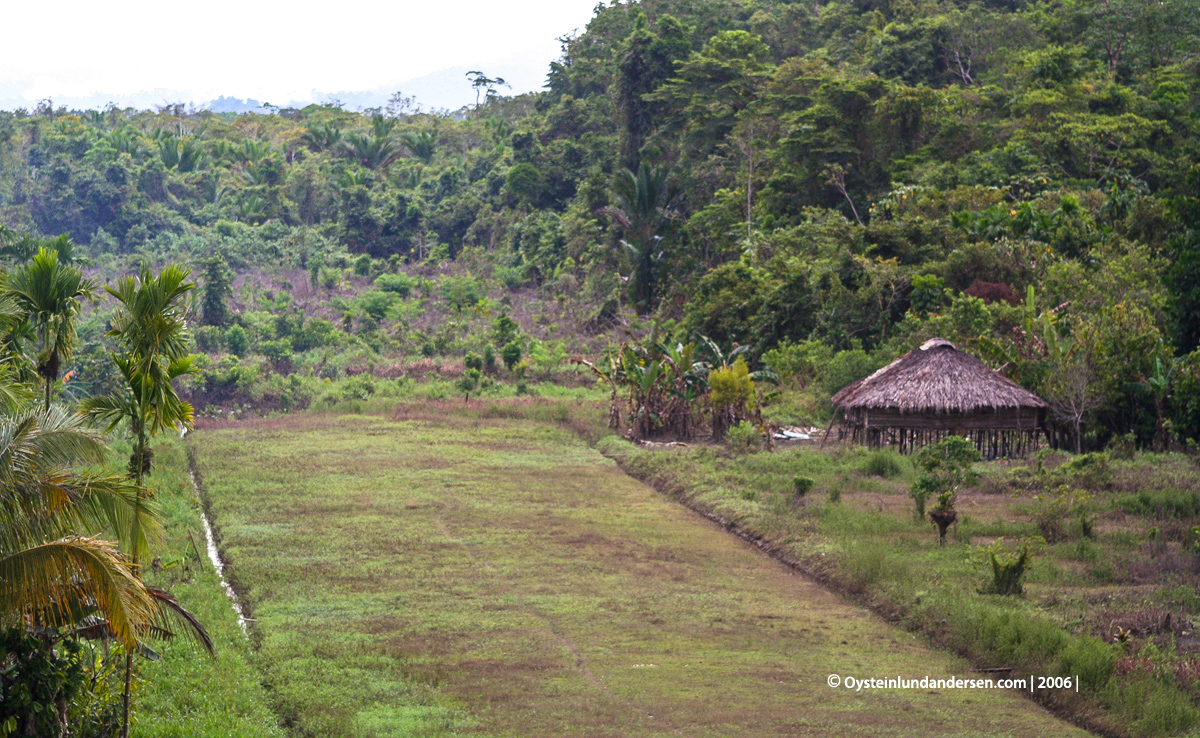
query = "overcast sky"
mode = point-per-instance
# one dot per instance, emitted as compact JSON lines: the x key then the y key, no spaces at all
{"x":273,"y":51}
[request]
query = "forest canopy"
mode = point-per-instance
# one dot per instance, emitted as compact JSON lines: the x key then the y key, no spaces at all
{"x":828,"y":183}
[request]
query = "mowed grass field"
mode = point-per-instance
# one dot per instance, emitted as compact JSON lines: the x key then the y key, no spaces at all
{"x":430,"y":574}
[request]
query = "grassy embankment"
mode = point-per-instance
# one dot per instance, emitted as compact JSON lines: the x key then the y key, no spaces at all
{"x":433,"y":573}
{"x":188,"y":694}
{"x":1121,"y":566}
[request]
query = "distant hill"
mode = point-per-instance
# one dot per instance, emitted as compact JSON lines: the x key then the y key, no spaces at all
{"x":445,"y":89}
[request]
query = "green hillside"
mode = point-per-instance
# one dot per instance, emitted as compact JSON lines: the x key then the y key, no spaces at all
{"x":833,"y":182}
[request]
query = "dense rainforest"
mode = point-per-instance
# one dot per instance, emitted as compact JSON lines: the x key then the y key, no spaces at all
{"x":829,"y":184}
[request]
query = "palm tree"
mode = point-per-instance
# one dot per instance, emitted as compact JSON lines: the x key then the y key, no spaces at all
{"x":48,"y":563}
{"x":50,"y":294}
{"x":57,"y":576}
{"x":645,"y":202}
{"x":322,"y":137}
{"x":421,"y":144}
{"x":372,"y":152}
{"x":151,"y":327}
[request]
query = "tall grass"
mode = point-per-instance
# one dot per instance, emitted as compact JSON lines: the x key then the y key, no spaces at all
{"x":187,"y":693}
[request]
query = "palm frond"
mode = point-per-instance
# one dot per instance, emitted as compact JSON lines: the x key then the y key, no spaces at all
{"x":170,"y":617}
{"x":38,"y":584}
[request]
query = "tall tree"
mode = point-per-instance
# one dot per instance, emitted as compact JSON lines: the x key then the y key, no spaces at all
{"x":215,"y":294}
{"x":150,"y":327}
{"x":645,"y":203}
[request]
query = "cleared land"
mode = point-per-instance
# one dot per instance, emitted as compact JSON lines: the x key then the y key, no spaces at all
{"x":432,"y":574}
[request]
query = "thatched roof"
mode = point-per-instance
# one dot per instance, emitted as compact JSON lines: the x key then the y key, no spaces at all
{"x":936,"y":378}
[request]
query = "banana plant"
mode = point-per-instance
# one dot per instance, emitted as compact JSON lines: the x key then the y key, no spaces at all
{"x":1161,"y":383}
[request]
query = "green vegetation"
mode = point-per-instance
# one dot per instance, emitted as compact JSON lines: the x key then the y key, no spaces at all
{"x":826,"y":185}
{"x":186,"y":693}
{"x":714,"y":216}
{"x":1040,"y":575}
{"x":452,"y":569}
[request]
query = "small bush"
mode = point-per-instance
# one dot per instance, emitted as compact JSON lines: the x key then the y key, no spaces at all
{"x":885,"y":464}
{"x":489,"y":359}
{"x":461,"y":292}
{"x":511,"y":354}
{"x":375,"y":303}
{"x":208,"y":339}
{"x":236,"y":340}
{"x":469,"y":381}
{"x":744,"y":438}
{"x":329,"y":278}
{"x":1055,"y":508}
{"x":1123,"y":447}
{"x":400,"y":284}
{"x":473,"y":361}
{"x":1092,"y":471}
{"x":800,"y":487}
{"x":835,"y":493}
{"x":513,"y":278}
{"x":360,"y":387}
{"x":1007,"y":572}
{"x":276,"y":351}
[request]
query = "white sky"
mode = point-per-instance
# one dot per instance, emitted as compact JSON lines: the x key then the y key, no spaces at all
{"x":271,"y":51}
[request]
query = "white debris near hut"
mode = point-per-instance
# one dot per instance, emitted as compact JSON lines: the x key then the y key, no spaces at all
{"x":797,"y":434}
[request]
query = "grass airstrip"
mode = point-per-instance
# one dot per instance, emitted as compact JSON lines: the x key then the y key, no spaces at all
{"x":431,"y":574}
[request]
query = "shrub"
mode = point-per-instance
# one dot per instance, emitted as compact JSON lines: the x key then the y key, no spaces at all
{"x":227,"y":376}
{"x":399,"y":284}
{"x":362,"y":265}
{"x":360,"y":387}
{"x":329,"y":278}
{"x":35,"y":680}
{"x":731,"y":386}
{"x":1088,"y":470}
{"x":1091,"y":659}
{"x":835,"y":492}
{"x":730,"y":389}
{"x":802,"y":362}
{"x":513,"y":278}
{"x":489,"y":359}
{"x":504,"y":330}
{"x":800,"y":487}
{"x":1123,"y":447}
{"x":744,"y":438}
{"x":945,"y":468}
{"x":315,"y":333}
{"x":461,"y":292}
{"x":375,"y":303}
{"x":927,"y":295}
{"x":469,"y":381}
{"x":235,"y":339}
{"x":845,"y":367}
{"x":511,"y":354}
{"x":208,"y":339}
{"x":1054,"y":508}
{"x":885,"y":464}
{"x":473,"y":361}
{"x":276,"y":351}
{"x":1007,"y":571}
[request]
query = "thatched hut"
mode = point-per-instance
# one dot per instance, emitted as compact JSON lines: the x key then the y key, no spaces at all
{"x":936,"y":391}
